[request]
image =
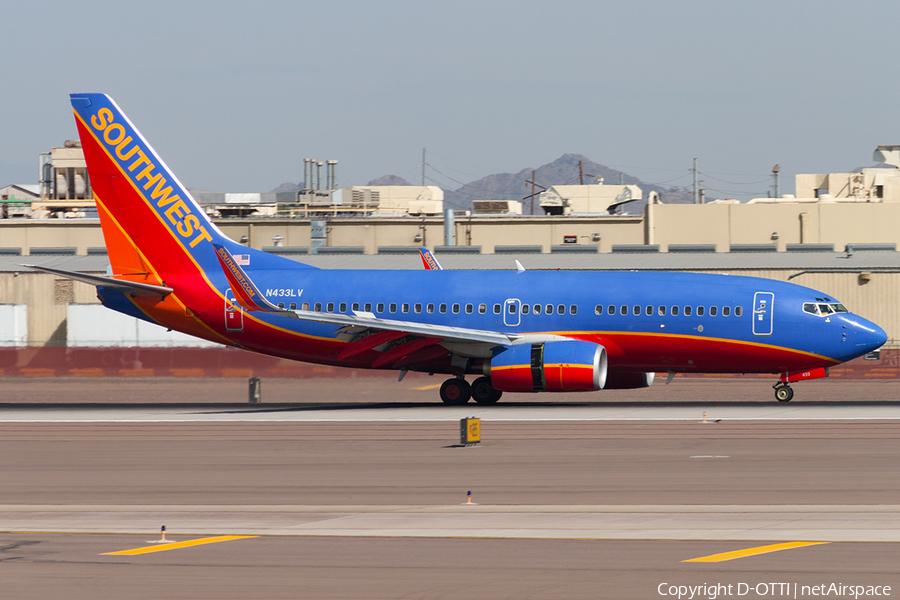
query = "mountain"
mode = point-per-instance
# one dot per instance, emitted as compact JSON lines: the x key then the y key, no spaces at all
{"x":389,"y":180}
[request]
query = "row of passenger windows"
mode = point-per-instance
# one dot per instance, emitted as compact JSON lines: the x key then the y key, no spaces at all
{"x":649,"y":310}
{"x":537,"y":309}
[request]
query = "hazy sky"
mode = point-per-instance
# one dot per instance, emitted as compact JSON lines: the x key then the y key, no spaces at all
{"x":233,"y":95}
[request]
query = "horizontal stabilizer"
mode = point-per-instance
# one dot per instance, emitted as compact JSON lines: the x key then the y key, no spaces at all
{"x":131,"y":288}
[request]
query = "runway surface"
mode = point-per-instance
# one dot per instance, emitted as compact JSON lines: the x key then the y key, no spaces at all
{"x":350,"y":495}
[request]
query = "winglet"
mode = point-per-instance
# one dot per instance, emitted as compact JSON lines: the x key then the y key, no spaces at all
{"x":430,"y":262}
{"x":245,"y":293}
{"x":519,"y":267}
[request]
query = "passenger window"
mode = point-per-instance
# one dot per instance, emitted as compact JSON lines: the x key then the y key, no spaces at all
{"x":636,"y":310}
{"x":537,"y":309}
{"x":293,"y":306}
{"x":623,"y":310}
{"x":417,"y":308}
{"x":700,"y":311}
{"x":726,"y":311}
{"x":598,"y":310}
{"x":713,"y":311}
{"x":548,"y":309}
{"x":392,"y":307}
{"x":368,"y":307}
{"x":281,"y":305}
{"x":674,"y":311}
{"x":318,"y":307}
{"x":560,"y":309}
{"x":455,"y":309}
{"x":429,"y":308}
{"x":738,"y":311}
{"x":573,"y":309}
{"x":611,"y":309}
{"x":648,"y":311}
{"x":329,"y":307}
{"x":442,"y":308}
{"x":355,"y":306}
{"x":379,"y":307}
{"x":524,"y":309}
{"x":343,"y":307}
{"x":482,"y":308}
{"x":687,"y":311}
{"x":469,"y":309}
{"x":404,"y":308}
{"x":498,"y":309}
{"x":661,"y":311}
{"x":512,"y":308}
{"x":305,"y":306}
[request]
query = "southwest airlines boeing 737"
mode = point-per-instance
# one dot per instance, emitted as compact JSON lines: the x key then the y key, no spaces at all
{"x":517,"y":331}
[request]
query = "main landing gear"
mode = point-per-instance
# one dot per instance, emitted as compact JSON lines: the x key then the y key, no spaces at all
{"x":457,"y":391}
{"x":783,"y":392}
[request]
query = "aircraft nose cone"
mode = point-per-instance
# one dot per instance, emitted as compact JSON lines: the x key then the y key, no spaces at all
{"x":869,"y":336}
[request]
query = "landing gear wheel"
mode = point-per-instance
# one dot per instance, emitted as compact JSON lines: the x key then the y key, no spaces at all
{"x":483,"y":392}
{"x":455,"y":392}
{"x":784,"y":393}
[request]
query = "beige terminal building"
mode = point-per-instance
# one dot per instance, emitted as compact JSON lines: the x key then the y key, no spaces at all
{"x":838,"y":233}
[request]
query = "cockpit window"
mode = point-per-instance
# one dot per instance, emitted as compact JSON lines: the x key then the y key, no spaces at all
{"x":823,"y":310}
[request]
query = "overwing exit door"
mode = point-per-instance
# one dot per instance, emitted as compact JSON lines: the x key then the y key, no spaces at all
{"x":512,"y":312}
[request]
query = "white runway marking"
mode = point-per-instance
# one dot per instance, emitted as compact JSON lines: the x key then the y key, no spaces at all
{"x":839,"y":523}
{"x":673,"y":412}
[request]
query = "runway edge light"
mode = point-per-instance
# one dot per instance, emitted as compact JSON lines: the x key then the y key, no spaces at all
{"x":469,"y":431}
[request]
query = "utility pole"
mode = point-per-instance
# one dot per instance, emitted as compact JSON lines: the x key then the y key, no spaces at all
{"x":775,"y":170}
{"x":580,"y":173}
{"x":696,"y":189}
{"x":534,"y":193}
{"x":423,"y":167}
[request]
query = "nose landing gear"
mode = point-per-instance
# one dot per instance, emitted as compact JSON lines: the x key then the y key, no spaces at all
{"x":783,"y":392}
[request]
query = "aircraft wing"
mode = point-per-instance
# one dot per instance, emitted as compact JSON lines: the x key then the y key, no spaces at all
{"x":132,"y":288}
{"x":361,"y":324}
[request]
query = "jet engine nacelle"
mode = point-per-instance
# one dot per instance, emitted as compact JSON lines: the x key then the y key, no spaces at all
{"x":629,"y":381}
{"x":557,"y":366}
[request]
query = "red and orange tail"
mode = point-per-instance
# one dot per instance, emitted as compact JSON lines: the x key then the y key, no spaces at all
{"x":153,"y":228}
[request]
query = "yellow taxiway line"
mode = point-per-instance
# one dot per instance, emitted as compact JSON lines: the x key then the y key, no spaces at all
{"x":422,"y":388}
{"x":176,"y":545}
{"x":752,"y":551}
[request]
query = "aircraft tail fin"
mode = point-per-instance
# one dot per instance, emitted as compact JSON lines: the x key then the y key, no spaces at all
{"x":150,"y":222}
{"x":428,"y":259}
